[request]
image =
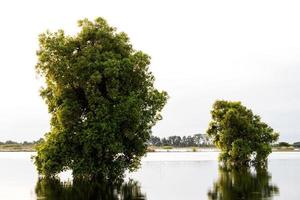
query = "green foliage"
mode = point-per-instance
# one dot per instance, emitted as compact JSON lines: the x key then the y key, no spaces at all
{"x":283,"y":144}
{"x":240,"y":135}
{"x":296,"y":144}
{"x":53,"y":189}
{"x":242,"y":184}
{"x":102,"y":102}
{"x":199,"y":140}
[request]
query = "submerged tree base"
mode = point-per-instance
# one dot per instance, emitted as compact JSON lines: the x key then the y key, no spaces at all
{"x":228,"y":163}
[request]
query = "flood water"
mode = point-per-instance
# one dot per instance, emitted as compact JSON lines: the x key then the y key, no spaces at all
{"x":162,"y":176}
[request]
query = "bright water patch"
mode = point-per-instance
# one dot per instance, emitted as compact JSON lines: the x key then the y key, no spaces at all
{"x":167,"y":175}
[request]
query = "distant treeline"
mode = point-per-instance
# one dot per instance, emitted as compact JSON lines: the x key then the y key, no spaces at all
{"x":197,"y":140}
{"x":296,"y":144}
{"x":21,"y":143}
{"x":286,"y":144}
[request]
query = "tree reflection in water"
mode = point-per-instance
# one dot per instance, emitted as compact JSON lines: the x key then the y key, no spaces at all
{"x":238,"y":184}
{"x":54,"y":189}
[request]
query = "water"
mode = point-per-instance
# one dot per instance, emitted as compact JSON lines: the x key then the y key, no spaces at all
{"x":176,"y":176}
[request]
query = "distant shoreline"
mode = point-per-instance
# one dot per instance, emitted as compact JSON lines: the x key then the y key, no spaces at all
{"x":31,"y":148}
{"x":187,"y":149}
{"x":17,"y":148}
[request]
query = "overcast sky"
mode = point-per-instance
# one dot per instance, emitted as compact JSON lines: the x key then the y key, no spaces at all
{"x":201,"y":51}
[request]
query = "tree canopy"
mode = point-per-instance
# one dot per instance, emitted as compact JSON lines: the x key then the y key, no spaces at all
{"x":241,"y":136}
{"x":102,"y":100}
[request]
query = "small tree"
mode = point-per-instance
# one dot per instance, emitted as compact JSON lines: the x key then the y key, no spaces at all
{"x":241,"y":136}
{"x":283,"y":144}
{"x":296,"y":144}
{"x":102,"y":102}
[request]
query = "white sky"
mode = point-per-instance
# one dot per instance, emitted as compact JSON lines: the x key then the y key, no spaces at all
{"x":201,"y":51}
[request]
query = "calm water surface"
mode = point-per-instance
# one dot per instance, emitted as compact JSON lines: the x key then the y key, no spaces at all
{"x":175,"y":176}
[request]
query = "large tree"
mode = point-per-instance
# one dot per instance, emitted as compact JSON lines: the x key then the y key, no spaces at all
{"x":241,"y":136}
{"x":102,"y":102}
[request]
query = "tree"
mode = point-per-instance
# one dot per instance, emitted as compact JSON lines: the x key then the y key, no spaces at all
{"x":10,"y":142}
{"x":165,"y":142}
{"x":102,"y":102}
{"x":174,"y":140}
{"x":296,"y":144}
{"x":283,"y":144}
{"x":241,"y":136}
{"x":155,"y":141}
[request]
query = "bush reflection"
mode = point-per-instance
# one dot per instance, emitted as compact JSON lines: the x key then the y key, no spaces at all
{"x":54,"y":189}
{"x":236,"y":184}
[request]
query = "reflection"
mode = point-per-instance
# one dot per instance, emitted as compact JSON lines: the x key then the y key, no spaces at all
{"x":245,"y":183}
{"x":54,"y":189}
